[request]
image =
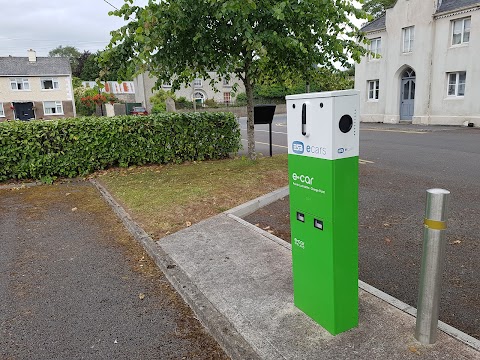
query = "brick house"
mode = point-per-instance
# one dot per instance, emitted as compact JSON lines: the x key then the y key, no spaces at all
{"x":35,"y":88}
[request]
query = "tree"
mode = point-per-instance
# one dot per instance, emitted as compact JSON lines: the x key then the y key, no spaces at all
{"x":69,"y":52}
{"x":91,"y":68}
{"x":255,"y":40}
{"x":81,"y":61}
{"x":377,"y":7}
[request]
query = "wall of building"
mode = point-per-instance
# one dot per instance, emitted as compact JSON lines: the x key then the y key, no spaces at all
{"x":37,"y":96}
{"x":432,"y":58}
{"x":452,"y":58}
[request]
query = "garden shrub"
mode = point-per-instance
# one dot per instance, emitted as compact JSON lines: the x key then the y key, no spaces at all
{"x":77,"y":147}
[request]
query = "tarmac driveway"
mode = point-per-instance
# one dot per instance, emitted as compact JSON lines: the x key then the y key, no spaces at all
{"x":74,"y":284}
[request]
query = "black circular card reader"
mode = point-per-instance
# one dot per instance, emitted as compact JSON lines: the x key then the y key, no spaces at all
{"x":345,"y":124}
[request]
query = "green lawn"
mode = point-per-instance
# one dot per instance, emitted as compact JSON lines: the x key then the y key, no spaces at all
{"x":164,"y":199}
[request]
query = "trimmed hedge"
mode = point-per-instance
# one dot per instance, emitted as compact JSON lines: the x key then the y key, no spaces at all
{"x":76,"y":147}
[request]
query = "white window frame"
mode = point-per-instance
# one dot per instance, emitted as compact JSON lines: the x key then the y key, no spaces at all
{"x":55,"y":84}
{"x":466,"y":23}
{"x":197,"y":83}
{"x":167,"y":85}
{"x":2,"y":110}
{"x":408,"y":37}
{"x":456,"y":84}
{"x":58,"y":108}
{"x":375,"y":48}
{"x":373,"y":90}
{"x":23,"y":82}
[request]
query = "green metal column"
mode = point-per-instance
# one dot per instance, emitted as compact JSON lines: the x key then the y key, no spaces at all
{"x":323,"y":172}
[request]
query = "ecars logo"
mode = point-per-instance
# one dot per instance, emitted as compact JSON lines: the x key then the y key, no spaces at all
{"x":298,"y":147}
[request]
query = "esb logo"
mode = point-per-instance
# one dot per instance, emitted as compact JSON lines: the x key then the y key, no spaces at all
{"x":298,"y":147}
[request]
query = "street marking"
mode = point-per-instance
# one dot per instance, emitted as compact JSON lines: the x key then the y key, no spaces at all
{"x":397,"y":131}
{"x":273,"y":132}
{"x":262,"y":143}
{"x":361,"y":161}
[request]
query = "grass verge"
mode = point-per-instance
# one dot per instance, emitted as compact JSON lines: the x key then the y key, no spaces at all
{"x":166,"y":198}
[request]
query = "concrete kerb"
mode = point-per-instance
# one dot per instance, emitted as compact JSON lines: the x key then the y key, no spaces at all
{"x":19,"y":186}
{"x":245,"y":209}
{"x":255,"y":204}
{"x":215,"y":322}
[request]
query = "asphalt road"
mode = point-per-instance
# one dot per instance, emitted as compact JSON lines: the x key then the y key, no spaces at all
{"x":400,"y":162}
{"x":75,"y":285}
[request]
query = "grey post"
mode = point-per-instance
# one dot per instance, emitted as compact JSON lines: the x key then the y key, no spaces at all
{"x":432,"y":265}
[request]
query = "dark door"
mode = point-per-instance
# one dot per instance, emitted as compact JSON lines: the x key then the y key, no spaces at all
{"x":24,"y":111}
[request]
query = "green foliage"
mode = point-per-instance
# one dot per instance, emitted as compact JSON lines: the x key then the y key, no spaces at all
{"x":255,"y":40}
{"x":377,"y":7}
{"x":159,"y":100}
{"x":241,"y":99}
{"x":91,"y":68}
{"x":211,"y":103}
{"x":76,"y":147}
{"x":70,"y":52}
{"x":84,"y":109}
{"x":183,"y":103}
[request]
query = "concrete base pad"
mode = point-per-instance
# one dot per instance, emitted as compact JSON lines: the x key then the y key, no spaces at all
{"x":247,"y":277}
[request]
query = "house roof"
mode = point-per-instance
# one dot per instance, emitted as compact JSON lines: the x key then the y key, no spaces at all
{"x":449,"y":5}
{"x":21,"y":66}
{"x":377,"y":24}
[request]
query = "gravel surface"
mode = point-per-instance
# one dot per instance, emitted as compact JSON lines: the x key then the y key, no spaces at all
{"x":391,"y":235}
{"x":75,"y":285}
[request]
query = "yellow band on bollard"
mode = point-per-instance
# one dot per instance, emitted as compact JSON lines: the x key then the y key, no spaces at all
{"x":435,"y":224}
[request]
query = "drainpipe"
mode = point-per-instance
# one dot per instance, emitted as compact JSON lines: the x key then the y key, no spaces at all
{"x":430,"y":74}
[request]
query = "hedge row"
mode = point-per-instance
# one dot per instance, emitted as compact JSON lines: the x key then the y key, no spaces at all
{"x":73,"y":147}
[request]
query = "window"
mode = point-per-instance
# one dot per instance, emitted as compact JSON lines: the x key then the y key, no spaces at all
{"x":197,"y":83}
{"x":226,"y":82}
{"x":460,"y":31}
{"x":19,"y":84}
{"x":50,"y":84}
{"x":373,"y":89}
{"x":52,"y":108}
{"x":168,"y":84}
{"x":199,"y":97}
{"x":408,"y":37}
{"x":2,"y":112}
{"x":456,"y":83}
{"x":227,"y":98}
{"x":375,"y":47}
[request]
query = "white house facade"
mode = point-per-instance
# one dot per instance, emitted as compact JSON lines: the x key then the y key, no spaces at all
{"x":199,"y":90}
{"x":426,"y":68}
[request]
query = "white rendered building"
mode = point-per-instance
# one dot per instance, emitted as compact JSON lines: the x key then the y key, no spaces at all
{"x":426,"y":70}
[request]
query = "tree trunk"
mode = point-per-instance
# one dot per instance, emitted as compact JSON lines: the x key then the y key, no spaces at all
{"x":250,"y":124}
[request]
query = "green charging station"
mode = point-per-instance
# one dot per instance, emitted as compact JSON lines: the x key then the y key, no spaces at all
{"x":323,"y":138}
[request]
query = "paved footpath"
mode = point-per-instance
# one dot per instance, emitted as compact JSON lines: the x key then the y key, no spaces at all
{"x":75,"y":285}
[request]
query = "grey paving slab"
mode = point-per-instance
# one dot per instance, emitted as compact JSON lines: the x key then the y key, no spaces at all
{"x":247,"y":277}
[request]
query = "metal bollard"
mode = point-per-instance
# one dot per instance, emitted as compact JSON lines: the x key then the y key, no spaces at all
{"x":432,"y":265}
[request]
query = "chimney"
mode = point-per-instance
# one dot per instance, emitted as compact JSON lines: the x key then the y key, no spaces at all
{"x":32,"y":56}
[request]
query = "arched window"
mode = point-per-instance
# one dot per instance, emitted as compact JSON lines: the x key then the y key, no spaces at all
{"x":199,"y":97}
{"x":408,"y":73}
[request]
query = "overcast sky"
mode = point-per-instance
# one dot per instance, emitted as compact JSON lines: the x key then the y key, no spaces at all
{"x":42,"y":25}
